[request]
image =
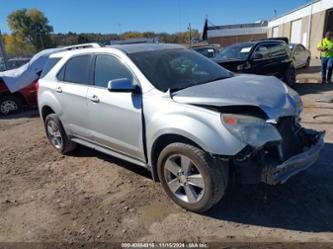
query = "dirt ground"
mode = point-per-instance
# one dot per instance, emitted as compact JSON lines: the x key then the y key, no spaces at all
{"x":88,"y":196}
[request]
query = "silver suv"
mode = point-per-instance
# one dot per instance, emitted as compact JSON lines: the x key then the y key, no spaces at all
{"x":190,"y":122}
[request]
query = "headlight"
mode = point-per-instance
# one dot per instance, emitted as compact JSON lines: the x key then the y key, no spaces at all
{"x":250,"y":130}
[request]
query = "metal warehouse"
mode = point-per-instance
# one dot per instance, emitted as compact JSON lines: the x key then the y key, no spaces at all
{"x":229,"y":34}
{"x":306,"y":25}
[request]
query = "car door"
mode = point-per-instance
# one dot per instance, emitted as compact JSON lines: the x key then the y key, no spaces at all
{"x":269,"y":59}
{"x":71,"y":91}
{"x":115,"y":117}
{"x":262,"y":61}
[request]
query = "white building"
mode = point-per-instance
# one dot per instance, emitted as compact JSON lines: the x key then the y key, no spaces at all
{"x":230,"y":34}
{"x":306,"y":25}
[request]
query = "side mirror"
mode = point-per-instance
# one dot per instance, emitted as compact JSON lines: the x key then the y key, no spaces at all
{"x":258,"y":56}
{"x":121,"y":85}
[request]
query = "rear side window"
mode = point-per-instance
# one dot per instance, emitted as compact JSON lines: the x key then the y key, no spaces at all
{"x":51,"y":62}
{"x":61,"y":74}
{"x":77,"y":70}
{"x":108,"y":68}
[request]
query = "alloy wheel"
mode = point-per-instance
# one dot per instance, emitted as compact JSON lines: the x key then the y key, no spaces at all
{"x":183,"y":178}
{"x":54,"y":134}
{"x":8,"y":106}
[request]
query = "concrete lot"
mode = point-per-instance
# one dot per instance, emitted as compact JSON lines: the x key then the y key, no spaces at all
{"x":311,"y":74}
{"x":88,"y":196}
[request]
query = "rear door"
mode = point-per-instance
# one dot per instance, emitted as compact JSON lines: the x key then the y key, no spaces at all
{"x":71,"y":91}
{"x":115,"y":117}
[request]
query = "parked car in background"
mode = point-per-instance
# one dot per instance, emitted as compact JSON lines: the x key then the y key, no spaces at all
{"x":18,"y":86}
{"x":16,"y":62}
{"x":301,"y":56}
{"x":264,"y":57}
{"x":209,"y":51}
{"x":15,"y":102}
{"x":180,"y":115}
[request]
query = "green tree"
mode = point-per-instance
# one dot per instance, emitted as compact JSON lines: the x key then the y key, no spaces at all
{"x":14,"y":46}
{"x":30,"y":26}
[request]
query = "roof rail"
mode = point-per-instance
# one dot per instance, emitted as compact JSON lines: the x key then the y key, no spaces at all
{"x":83,"y":45}
{"x":284,"y":39}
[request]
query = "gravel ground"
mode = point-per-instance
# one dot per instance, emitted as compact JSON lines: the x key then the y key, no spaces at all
{"x":90,"y":197}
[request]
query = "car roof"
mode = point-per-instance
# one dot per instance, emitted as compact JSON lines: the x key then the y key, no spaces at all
{"x":253,"y":43}
{"x":203,"y":47}
{"x":127,"y":49}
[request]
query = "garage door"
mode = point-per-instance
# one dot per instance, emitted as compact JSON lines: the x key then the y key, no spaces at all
{"x":296,"y":27}
{"x":275,"y":31}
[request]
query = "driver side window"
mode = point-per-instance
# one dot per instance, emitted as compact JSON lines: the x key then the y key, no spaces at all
{"x":108,"y":67}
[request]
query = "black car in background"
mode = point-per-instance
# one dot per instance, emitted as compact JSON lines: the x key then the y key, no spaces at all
{"x":209,"y":51}
{"x":264,"y":57}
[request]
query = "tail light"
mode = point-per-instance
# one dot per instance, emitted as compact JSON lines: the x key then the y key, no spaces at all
{"x":36,"y":85}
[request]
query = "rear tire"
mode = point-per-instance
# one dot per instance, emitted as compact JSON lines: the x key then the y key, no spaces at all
{"x":190,"y":177}
{"x":57,"y":135}
{"x":10,"y":105}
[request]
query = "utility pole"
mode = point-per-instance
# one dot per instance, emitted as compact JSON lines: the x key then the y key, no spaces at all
{"x":190,"y":30}
{"x":3,"y":54}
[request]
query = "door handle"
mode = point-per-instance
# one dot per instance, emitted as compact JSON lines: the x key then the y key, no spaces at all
{"x":59,"y":90}
{"x":94,"y":99}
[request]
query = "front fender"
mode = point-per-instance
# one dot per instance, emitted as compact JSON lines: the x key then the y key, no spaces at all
{"x":203,"y":127}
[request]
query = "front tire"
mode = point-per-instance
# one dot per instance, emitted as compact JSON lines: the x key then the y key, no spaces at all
{"x":290,"y":76}
{"x":190,"y":177}
{"x":57,"y":135}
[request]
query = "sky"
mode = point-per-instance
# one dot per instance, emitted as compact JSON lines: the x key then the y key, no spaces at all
{"x":118,"y":16}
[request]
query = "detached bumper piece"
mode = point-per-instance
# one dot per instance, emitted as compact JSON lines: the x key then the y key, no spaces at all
{"x":297,"y":163}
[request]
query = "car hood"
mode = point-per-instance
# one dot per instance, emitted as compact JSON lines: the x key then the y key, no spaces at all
{"x":265,"y":92}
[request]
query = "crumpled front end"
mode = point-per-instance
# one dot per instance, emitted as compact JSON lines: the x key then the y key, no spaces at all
{"x":276,"y":162}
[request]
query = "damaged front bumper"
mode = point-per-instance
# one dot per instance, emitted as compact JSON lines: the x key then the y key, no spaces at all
{"x":276,"y":163}
{"x":282,"y":172}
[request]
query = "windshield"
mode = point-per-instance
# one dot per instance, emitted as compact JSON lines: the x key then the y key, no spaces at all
{"x":177,"y":69}
{"x":235,"y":52}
